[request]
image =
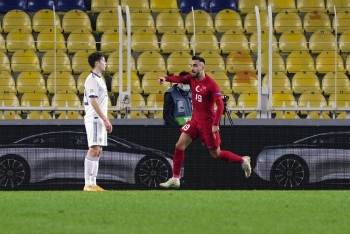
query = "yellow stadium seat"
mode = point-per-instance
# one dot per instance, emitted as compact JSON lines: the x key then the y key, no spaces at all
{"x":250,"y":115}
{"x":222,"y":81}
{"x":339,"y":100}
{"x":142,"y":20}
{"x":305,"y":82}
{"x":34,"y":100}
{"x":136,"y":115}
{"x":178,"y":61}
{"x":244,"y":81}
{"x":107,"y":20}
{"x":81,"y":81}
{"x":135,"y":5}
{"x":248,"y":6}
{"x":161,"y":5}
{"x":62,"y":62}
{"x":329,"y":86}
{"x":300,"y":61}
{"x":311,"y":6}
{"x":135,"y":85}
{"x":202,"y":20}
{"x":150,"y":61}
{"x":286,"y":115}
{"x":204,"y":41}
{"x":144,"y":40}
{"x":348,"y":64}
{"x":321,"y":41}
{"x":282,"y":6}
{"x":287,"y":21}
{"x":16,"y":19}
{"x":10,"y":115}
{"x":228,"y":19}
{"x":113,"y":62}
{"x":7,"y":83}
{"x":341,"y":5}
{"x":314,"y":21}
{"x":4,"y":62}
{"x":233,"y":41}
{"x":76,"y":19}
{"x":344,"y":45}
{"x":250,"y":22}
{"x":98,"y":6}
{"x":46,"y":41}
{"x":292,"y":41}
{"x":19,"y":39}
{"x":231,"y":103}
{"x":342,"y":115}
{"x":80,"y":39}
{"x":150,"y":83}
{"x":44,"y":19}
{"x":169,"y":21}
{"x":343,"y":22}
{"x":38,"y":115}
{"x":325,"y":62}
{"x":9,"y":100}
{"x":155,"y":100}
{"x":135,"y":100}
{"x":61,"y":82}
{"x":238,"y":61}
{"x":248,"y":99}
{"x":174,"y":40}
{"x":283,"y":100}
{"x":2,"y":43}
{"x":65,"y":100}
{"x":280,"y":81}
{"x":110,"y":41}
{"x":311,"y":99}
{"x":25,"y":60}
{"x":278,"y":64}
{"x":253,"y":42}
{"x":70,"y":115}
{"x":317,"y":115}
{"x":213,"y":61}
{"x":80,"y":61}
{"x":28,"y":82}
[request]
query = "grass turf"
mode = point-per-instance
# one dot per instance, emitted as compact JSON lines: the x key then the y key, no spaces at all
{"x":174,"y":211}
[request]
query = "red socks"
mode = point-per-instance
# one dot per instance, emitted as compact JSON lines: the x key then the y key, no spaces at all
{"x":178,"y":160}
{"x":230,"y":157}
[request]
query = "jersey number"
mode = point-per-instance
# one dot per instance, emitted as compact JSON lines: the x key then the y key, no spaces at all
{"x":199,"y":98}
{"x":186,"y":127}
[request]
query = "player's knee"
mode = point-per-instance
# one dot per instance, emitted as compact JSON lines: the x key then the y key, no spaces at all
{"x":94,"y":152}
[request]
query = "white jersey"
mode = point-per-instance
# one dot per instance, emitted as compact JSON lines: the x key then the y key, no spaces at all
{"x":95,"y":87}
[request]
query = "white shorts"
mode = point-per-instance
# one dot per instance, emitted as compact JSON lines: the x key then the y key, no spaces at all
{"x":96,"y":133}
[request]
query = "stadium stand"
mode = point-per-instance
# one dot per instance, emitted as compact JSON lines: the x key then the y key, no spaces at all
{"x":305,"y":82}
{"x":169,"y":20}
{"x":244,"y":81}
{"x":339,"y":100}
{"x":292,"y":41}
{"x":80,"y":39}
{"x":310,"y":6}
{"x":25,"y":60}
{"x":178,"y":61}
{"x":314,"y":21}
{"x":44,"y":19}
{"x":16,"y":19}
{"x":68,"y":5}
{"x":61,"y":82}
{"x":173,"y":41}
{"x":38,"y":115}
{"x":150,"y":83}
{"x":38,"y":5}
{"x":287,"y":21}
{"x":248,"y":6}
{"x":343,"y":22}
{"x":65,"y":100}
{"x":277,"y":62}
{"x":202,"y":21}
{"x":70,"y":115}
{"x":150,"y":61}
{"x":238,"y":61}
{"x":34,"y":99}
{"x":286,"y":115}
{"x":311,"y":99}
{"x":75,"y":19}
{"x":4,"y":62}
{"x":113,"y":62}
{"x":322,"y":41}
{"x":233,"y":40}
{"x":98,"y":6}
{"x":333,"y":82}
{"x":213,"y":61}
{"x":110,"y":41}
{"x":46,"y":41}
{"x":317,"y":115}
{"x":248,"y":99}
{"x":9,"y":5}
{"x":186,"y":5}
{"x":19,"y":39}
{"x":228,"y":19}
{"x":278,"y":6}
{"x":328,"y":61}
{"x":7,"y":83}
{"x":280,"y":82}
{"x":135,"y":5}
{"x":60,"y":58}
{"x":2,"y":43}
{"x":108,"y":20}
{"x":250,"y":22}
{"x":219,"y":5}
{"x":135,"y":83}
{"x":161,"y":5}
{"x":142,"y":20}
{"x":253,"y":42}
{"x":144,"y":40}
{"x":30,"y":82}
{"x":341,"y":5}
{"x":300,"y":61}
{"x":204,"y":41}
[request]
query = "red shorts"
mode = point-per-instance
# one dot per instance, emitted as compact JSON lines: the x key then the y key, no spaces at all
{"x":204,"y":132}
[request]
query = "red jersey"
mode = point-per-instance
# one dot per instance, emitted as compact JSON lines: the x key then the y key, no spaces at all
{"x":204,"y":94}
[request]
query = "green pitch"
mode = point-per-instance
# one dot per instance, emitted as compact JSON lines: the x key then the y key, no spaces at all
{"x":172,"y":212}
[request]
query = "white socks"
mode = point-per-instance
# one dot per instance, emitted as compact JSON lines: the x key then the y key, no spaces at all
{"x":90,"y":170}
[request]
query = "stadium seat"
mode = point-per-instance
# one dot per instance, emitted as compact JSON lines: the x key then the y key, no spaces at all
{"x":341,"y":5}
{"x":317,"y":115}
{"x":228,"y":19}
{"x":142,"y":20}
{"x":150,"y":83}
{"x":306,"y":6}
{"x":160,"y":5}
{"x":81,"y":81}
{"x":38,"y":5}
{"x":38,"y":115}
{"x":283,"y":100}
{"x":244,"y":81}
{"x":4,"y":62}
{"x":25,"y":60}
{"x":9,"y":100}
{"x":204,"y":41}
{"x":68,"y":5}
{"x":238,"y":61}
{"x":202,"y":21}
{"x":10,"y":115}
{"x":110,"y":41}
{"x":325,"y":62}
{"x":70,"y":115}
{"x":344,"y":45}
{"x":169,"y":21}
{"x":19,"y":39}
{"x":46,"y":41}
{"x":35,"y":100}
{"x":343,"y":22}
{"x":314,"y":21}
{"x":136,"y":101}
{"x":44,"y":19}
{"x":321,"y":41}
{"x":248,"y":6}
{"x":9,"y":5}
{"x":80,"y":39}
{"x":113,"y":62}
{"x":155,"y":100}
{"x":329,"y":86}
{"x":248,"y":99}
{"x":222,"y":81}
{"x":219,"y":5}
{"x":58,"y":61}
{"x":7,"y":83}
{"x":250,"y":115}
{"x":80,"y":61}
{"x":213,"y":61}
{"x":98,"y":6}
{"x":186,"y":5}
{"x":280,"y":81}
{"x":287,"y":21}
{"x":135,"y":5}
{"x":16,"y":19}
{"x":292,"y":41}
{"x":136,"y":115}
{"x":150,"y":61}
{"x":65,"y":100}
{"x":310,"y":99}
{"x":282,"y":6}
{"x":253,"y":42}
{"x":144,"y":40}
{"x":233,"y":40}
{"x":61,"y":82}
{"x":278,"y":64}
{"x":286,"y":115}
{"x":250,"y":22}
{"x":75,"y":19}
{"x":30,"y":82}
{"x":108,"y":20}
{"x":178,"y":61}
{"x":348,"y":64}
{"x":342,"y":115}
{"x":135,"y":85}
{"x":339,"y":100}
{"x":305,"y":82}
{"x":174,"y":40}
{"x":2,"y":42}
{"x":300,"y":61}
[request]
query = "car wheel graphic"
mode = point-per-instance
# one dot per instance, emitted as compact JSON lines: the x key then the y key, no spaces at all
{"x":151,"y":171}
{"x":290,"y":172}
{"x":14,"y":172}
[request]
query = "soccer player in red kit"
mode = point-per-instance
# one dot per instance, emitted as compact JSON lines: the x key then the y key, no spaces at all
{"x":204,"y":123}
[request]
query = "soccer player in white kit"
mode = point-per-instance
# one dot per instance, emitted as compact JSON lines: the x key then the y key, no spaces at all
{"x":96,"y":121}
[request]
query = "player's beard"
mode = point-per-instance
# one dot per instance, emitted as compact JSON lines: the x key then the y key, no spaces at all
{"x":195,"y":74}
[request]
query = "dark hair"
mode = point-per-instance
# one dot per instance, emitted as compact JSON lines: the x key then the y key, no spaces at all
{"x":200,"y":59}
{"x":184,"y":73}
{"x":94,"y":57}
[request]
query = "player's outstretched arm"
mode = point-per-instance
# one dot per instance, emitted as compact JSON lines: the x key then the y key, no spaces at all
{"x":161,"y":80}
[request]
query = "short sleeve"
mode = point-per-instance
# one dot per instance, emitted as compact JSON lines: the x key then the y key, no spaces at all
{"x":91,"y":88}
